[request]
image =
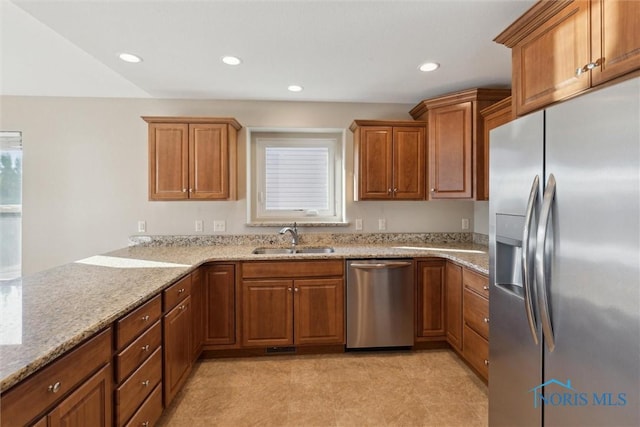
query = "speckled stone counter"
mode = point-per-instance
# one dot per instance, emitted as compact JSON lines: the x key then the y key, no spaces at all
{"x":46,"y":314}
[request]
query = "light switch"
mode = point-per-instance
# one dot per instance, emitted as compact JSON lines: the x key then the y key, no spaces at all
{"x":465,"y":223}
{"x":199,"y":225}
{"x":358,"y":224}
{"x":382,"y":224}
{"x":219,"y":225}
{"x":142,"y":226}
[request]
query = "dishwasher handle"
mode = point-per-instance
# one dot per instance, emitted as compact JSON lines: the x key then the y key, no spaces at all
{"x":381,"y":265}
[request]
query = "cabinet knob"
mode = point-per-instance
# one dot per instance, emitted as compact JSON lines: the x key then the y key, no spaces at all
{"x":191,"y":190}
{"x":486,"y":288}
{"x":182,"y":307}
{"x":433,"y":190}
{"x":145,"y":424}
{"x":289,"y":289}
{"x":145,"y":347}
{"x":388,"y":191}
{"x":145,"y":383}
{"x":395,"y":190}
{"x":297,"y":289}
{"x":180,"y":290}
{"x":486,"y":362}
{"x":486,"y":320}
{"x":54,"y":388}
{"x":184,"y":190}
{"x":145,"y":318}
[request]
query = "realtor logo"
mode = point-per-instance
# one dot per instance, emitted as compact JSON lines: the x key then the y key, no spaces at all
{"x":557,"y":393}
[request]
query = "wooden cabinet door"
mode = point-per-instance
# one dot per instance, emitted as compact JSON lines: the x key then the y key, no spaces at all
{"x":615,"y":38}
{"x":496,"y":115}
{"x":208,"y":161}
{"x":450,"y":156}
{"x":88,"y":405}
{"x":545,"y":62}
{"x":319,"y":311}
{"x":409,"y":163}
{"x":430,"y":299}
{"x":177,"y":348}
{"x":375,"y":153}
{"x":453,"y":296}
{"x":220,"y":305}
{"x":267,"y":313}
{"x":169,"y":161}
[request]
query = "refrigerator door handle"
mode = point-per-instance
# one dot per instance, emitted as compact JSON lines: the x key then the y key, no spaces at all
{"x":526,"y":275}
{"x":543,"y":262}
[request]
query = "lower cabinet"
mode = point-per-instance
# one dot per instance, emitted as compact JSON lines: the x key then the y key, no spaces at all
{"x":453,"y":305}
{"x":430,"y":291}
{"x":219,"y":312}
{"x":476,"y":322}
{"x":292,"y":303}
{"x":177,"y":321}
{"x":75,"y":390}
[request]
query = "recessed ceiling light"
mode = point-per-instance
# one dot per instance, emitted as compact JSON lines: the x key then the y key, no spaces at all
{"x":429,"y":66}
{"x":231,"y":60}
{"x":130,"y":57}
{"x":295,"y":88}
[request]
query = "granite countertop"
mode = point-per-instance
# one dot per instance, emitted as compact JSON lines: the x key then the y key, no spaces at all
{"x":48,"y":313}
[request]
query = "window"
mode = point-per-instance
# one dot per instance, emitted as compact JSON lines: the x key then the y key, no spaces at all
{"x":10,"y":205}
{"x":295,"y":175}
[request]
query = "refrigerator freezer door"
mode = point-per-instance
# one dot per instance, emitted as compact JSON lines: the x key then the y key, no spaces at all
{"x":514,"y":358}
{"x":593,"y":150}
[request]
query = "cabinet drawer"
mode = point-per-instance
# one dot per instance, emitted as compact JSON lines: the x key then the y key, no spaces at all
{"x":137,"y":352}
{"x":476,"y":313}
{"x":478,"y":282}
{"x":150,"y":411}
{"x":476,"y":351}
{"x":286,"y":269}
{"x":132,"y":325}
{"x":177,"y":292}
{"x":43,"y":389}
{"x":135,"y":390}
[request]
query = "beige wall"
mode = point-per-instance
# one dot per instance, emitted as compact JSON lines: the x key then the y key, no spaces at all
{"x":85,"y":173}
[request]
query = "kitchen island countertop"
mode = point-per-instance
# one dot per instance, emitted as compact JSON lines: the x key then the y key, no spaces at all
{"x":50,"y":312}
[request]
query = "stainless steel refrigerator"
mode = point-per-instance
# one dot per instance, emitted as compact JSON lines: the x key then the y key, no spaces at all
{"x":564,"y":245}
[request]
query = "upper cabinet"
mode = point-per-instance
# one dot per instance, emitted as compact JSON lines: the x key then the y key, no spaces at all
{"x":389,"y":159}
{"x":493,"y":116}
{"x":560,"y":49}
{"x":456,"y":141}
{"x":192,"y":158}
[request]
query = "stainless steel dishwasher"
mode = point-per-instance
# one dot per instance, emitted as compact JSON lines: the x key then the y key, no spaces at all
{"x":380,"y":303}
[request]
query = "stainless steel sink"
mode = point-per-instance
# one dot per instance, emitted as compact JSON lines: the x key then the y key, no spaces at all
{"x":315,"y":250}
{"x":268,"y":251}
{"x":302,"y":250}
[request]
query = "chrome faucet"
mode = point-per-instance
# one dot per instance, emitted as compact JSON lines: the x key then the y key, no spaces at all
{"x":294,"y":233}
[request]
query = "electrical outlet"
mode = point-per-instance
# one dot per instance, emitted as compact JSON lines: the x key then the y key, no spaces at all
{"x":465,"y":223}
{"x":199,"y":225}
{"x":219,"y":225}
{"x":382,"y":224}
{"x":142,"y":226}
{"x":358,"y":224}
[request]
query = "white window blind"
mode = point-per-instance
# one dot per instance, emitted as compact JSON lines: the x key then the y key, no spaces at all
{"x":297,"y":178}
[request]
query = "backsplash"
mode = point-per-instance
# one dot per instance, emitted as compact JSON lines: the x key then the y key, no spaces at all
{"x":305,"y":239}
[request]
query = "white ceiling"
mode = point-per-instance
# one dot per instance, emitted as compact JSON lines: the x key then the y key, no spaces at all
{"x":351,"y":51}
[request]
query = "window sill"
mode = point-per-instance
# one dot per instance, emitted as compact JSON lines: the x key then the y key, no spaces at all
{"x":298,"y":223}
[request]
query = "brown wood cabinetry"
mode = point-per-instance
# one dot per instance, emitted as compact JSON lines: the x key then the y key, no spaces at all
{"x":456,"y":144}
{"x":493,"y":116}
{"x":177,"y":321}
{"x":192,"y":158}
{"x":292,"y":303}
{"x":453,"y":305}
{"x":430,"y":310}
{"x":476,"y":321}
{"x":74,"y":390}
{"x":138,"y":359}
{"x":198,"y":311}
{"x":560,"y":49}
{"x":390,"y":160}
{"x":219,"y":306}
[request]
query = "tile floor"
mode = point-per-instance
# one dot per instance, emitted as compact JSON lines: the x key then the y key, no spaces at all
{"x":419,"y":388}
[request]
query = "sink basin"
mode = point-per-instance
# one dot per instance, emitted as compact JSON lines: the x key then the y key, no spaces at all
{"x":302,"y":250}
{"x":316,"y":250}
{"x":268,"y":251}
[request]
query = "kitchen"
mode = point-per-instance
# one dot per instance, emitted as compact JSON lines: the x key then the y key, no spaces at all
{"x":85,"y":206}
